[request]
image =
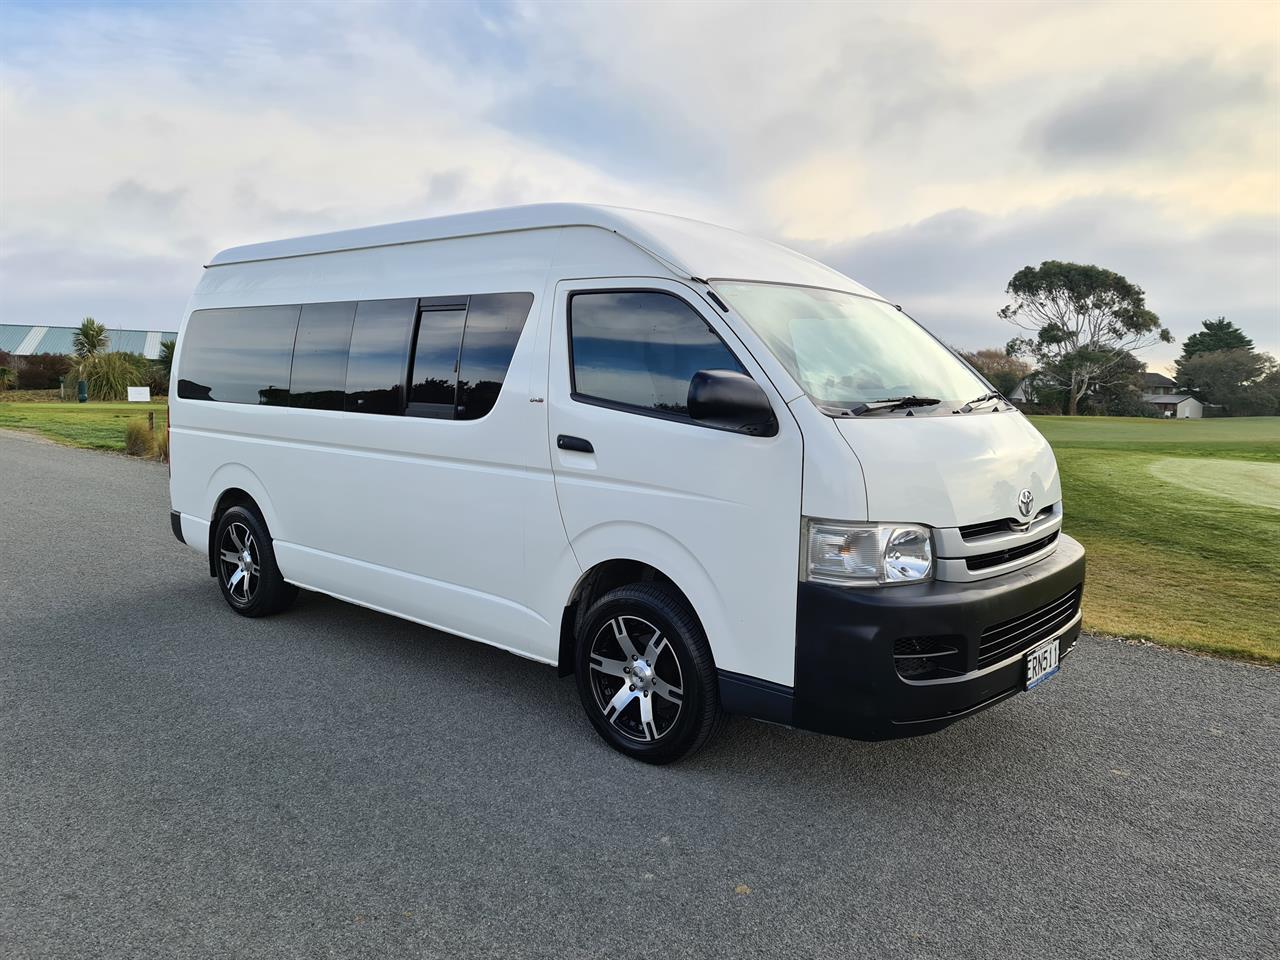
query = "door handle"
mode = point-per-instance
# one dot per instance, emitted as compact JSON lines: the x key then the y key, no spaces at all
{"x":566,"y":442}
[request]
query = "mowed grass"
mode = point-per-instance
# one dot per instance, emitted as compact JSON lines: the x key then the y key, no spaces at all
{"x":1181,"y":519}
{"x":98,"y":426}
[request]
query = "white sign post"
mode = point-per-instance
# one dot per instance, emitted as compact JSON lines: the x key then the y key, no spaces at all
{"x":139,"y":394}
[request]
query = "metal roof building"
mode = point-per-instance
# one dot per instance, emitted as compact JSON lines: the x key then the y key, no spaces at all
{"x":25,"y":340}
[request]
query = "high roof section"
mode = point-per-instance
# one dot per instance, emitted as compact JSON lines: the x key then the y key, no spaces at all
{"x":688,"y":248}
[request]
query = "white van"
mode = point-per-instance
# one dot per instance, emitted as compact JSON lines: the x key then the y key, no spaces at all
{"x":697,"y":470}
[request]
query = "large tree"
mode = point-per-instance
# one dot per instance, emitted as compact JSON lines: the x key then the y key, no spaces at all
{"x":1083,"y":321}
{"x":1003,"y":371}
{"x":1220,"y":334}
{"x":1244,"y":382}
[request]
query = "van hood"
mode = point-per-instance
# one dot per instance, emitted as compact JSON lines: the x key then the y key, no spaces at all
{"x":951,"y":471}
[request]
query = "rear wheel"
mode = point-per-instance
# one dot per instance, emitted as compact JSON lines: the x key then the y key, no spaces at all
{"x":246,"y":565}
{"x":645,"y":673}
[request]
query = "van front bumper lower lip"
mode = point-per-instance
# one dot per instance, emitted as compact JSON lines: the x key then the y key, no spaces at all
{"x":846,"y":681}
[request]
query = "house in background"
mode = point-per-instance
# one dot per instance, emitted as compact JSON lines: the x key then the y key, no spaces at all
{"x":1165,"y":395}
{"x":1171,"y":400}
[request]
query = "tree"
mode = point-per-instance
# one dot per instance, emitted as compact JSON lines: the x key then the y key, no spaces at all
{"x":1220,"y":334}
{"x":1003,"y":371}
{"x":90,"y":338}
{"x":1244,"y":382}
{"x":6,"y":378}
{"x":166,"y":357}
{"x":1083,"y":320}
{"x":1121,"y":396}
{"x":162,"y":369}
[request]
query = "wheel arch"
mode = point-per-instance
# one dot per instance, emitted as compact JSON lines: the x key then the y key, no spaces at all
{"x":236,"y":486}
{"x":677,"y":569}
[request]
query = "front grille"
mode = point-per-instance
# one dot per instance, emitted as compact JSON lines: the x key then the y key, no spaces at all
{"x":1024,"y":632}
{"x":985,"y":561}
{"x":924,"y":658}
{"x":975,"y":531}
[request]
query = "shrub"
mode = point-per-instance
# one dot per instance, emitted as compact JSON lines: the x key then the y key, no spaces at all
{"x":7,"y":378}
{"x":41,"y":372}
{"x":111,"y":374}
{"x":161,"y":451}
{"x":157,"y":380}
{"x":139,"y":441}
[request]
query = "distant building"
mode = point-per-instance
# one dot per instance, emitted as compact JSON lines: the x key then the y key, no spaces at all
{"x":26,"y":340}
{"x":1170,"y":399}
{"x":1027,"y":390}
{"x":1158,"y":390}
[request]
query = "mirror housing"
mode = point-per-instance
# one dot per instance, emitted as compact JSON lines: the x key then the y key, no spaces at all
{"x":731,"y":401}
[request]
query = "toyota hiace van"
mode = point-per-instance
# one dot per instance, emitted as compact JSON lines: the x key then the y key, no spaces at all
{"x":699,"y":472}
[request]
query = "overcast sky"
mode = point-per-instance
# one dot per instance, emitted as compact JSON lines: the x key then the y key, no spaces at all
{"x":927,"y":150}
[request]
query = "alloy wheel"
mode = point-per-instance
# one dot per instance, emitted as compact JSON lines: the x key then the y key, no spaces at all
{"x":636,"y":678}
{"x":239,"y":562}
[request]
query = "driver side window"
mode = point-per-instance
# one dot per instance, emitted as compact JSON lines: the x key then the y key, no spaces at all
{"x":640,"y":349}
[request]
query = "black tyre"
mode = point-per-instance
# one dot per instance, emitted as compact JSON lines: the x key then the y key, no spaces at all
{"x":645,"y":673}
{"x":246,"y":565}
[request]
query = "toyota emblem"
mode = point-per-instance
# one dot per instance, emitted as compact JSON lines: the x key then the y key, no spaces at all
{"x":1026,"y":501}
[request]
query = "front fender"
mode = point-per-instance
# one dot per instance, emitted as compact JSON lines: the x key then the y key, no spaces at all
{"x":624,"y":540}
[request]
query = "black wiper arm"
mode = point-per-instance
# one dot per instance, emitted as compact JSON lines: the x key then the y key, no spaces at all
{"x":891,"y":403}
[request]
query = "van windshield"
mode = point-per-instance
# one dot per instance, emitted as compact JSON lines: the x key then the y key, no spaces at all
{"x":845,"y":350}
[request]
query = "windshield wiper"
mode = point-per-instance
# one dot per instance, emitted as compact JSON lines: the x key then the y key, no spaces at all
{"x":968,"y":407}
{"x":890,"y":403}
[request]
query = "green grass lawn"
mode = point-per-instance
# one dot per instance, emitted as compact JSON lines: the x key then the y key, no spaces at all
{"x":1181,"y":519}
{"x":98,"y":426}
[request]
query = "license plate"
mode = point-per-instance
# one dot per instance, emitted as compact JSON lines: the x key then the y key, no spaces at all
{"x":1042,"y":663}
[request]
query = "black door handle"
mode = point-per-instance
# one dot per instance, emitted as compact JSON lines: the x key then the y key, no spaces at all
{"x":566,"y":442}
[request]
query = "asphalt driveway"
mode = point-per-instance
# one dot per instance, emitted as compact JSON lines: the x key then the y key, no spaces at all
{"x":177,"y":781}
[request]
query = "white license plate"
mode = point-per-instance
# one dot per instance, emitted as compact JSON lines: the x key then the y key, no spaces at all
{"x":1042,"y":663}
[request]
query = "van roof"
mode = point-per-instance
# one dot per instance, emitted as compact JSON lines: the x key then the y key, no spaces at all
{"x":689,"y":248}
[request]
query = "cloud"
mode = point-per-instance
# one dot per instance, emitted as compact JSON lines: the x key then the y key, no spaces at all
{"x":1184,"y":107}
{"x":131,"y":199}
{"x":950,"y":270}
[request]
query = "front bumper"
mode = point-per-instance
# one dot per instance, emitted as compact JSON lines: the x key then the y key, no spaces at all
{"x":846,"y":681}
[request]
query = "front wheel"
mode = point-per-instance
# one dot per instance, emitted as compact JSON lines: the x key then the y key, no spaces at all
{"x":645,"y":673}
{"x":246,"y":565}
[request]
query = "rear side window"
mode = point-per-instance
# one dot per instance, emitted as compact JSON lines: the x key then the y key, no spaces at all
{"x":379,"y":358}
{"x":439,"y":357}
{"x":494,"y":324}
{"x":640,"y":349}
{"x":240,"y":355}
{"x":433,"y":384}
{"x":319,"y":379}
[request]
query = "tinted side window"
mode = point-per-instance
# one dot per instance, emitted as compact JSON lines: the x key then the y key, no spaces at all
{"x":240,"y":355}
{"x":319,"y":379}
{"x":379,"y":356}
{"x":641,"y":348}
{"x":494,"y":323}
{"x":434,"y":381}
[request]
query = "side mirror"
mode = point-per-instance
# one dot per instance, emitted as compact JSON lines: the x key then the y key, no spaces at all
{"x":731,"y":401}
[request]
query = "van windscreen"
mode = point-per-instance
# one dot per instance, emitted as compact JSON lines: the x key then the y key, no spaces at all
{"x":844,"y":350}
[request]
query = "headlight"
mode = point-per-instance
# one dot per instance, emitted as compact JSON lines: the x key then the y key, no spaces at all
{"x":867,"y":554}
